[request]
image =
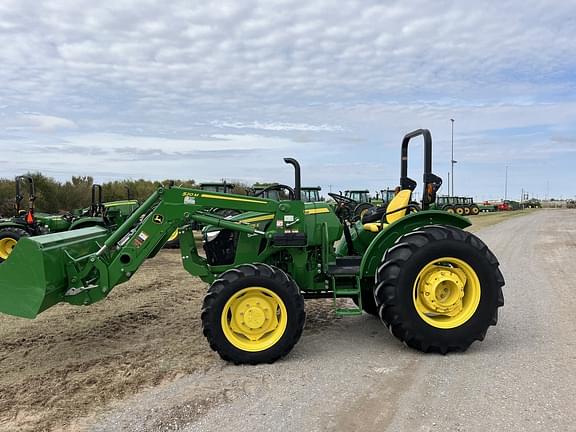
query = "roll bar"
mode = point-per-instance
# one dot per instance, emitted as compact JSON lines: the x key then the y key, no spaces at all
{"x":31,"y":193}
{"x":431,"y":181}
{"x":96,"y":206}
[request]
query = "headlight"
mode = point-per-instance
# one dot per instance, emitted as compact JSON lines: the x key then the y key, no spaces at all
{"x":211,"y":235}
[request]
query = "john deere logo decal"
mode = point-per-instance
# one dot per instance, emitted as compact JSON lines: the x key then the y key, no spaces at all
{"x":158,"y":219}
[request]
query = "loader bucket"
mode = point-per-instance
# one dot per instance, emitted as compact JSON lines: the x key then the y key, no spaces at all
{"x":34,"y":278}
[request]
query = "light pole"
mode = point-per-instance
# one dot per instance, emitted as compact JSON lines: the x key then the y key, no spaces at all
{"x":452,"y":161}
{"x":506,"y":185}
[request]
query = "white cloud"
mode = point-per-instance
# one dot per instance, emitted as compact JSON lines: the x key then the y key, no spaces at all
{"x":37,"y":123}
{"x":278,"y":126}
{"x":347,"y":76}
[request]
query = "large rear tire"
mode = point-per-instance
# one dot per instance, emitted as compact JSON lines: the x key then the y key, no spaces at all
{"x":459,"y":211}
{"x":439,"y":289}
{"x":474,"y":210}
{"x":253,"y":314}
{"x":9,"y":237}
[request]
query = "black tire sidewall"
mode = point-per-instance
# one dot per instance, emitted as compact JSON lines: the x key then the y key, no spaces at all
{"x":13,"y":233}
{"x":478,"y":322}
{"x":286,"y":293}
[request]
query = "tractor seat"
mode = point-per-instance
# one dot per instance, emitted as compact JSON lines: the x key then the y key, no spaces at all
{"x":400,"y":201}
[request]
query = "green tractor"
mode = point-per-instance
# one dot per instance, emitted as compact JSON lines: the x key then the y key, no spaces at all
{"x":383,"y":197}
{"x":532,"y":203}
{"x":354,"y":203}
{"x":463,"y":206}
{"x":29,"y":222}
{"x":311,"y":194}
{"x":435,"y":286}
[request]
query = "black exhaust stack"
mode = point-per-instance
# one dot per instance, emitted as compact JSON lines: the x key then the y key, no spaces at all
{"x":297,"y":178}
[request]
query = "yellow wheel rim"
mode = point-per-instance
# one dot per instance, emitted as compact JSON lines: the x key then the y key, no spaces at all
{"x":446,"y":293}
{"x":6,"y":246}
{"x":174,"y":236}
{"x":254,"y":319}
{"x":460,"y":210}
{"x":466,"y":211}
{"x":450,"y":210}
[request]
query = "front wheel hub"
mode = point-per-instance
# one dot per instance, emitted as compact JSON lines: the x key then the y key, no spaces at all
{"x":254,"y":319}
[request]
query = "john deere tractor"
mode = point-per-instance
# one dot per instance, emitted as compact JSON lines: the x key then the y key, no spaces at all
{"x":311,"y":194}
{"x":435,"y":286}
{"x":26,"y":222}
{"x":354,"y":203}
{"x":29,"y":222}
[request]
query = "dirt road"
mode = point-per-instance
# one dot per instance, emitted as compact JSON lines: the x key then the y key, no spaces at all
{"x":355,"y":376}
{"x":75,"y":369}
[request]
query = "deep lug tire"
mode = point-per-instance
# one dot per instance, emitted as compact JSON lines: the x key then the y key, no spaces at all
{"x":466,"y":265}
{"x":9,"y":237}
{"x":253,"y":314}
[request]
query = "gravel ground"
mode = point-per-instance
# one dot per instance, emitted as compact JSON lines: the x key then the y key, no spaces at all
{"x":354,"y":375}
{"x":138,"y":361}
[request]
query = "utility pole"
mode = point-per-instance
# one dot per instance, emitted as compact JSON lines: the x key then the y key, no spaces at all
{"x":506,"y":185}
{"x":452,"y":161}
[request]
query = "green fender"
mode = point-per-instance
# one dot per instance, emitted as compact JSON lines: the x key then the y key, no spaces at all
{"x":86,"y":222}
{"x":385,"y":239}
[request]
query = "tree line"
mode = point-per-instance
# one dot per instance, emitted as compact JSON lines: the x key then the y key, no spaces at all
{"x":53,"y":196}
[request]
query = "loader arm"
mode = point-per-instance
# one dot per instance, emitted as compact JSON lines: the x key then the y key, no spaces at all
{"x":83,"y":266}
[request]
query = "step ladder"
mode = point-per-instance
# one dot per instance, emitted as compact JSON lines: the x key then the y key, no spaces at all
{"x":345,"y":282}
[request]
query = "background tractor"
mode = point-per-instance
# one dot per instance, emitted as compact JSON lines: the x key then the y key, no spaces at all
{"x":532,"y":203}
{"x":459,"y":205}
{"x":29,"y":222}
{"x":435,"y":286}
{"x":311,"y":194}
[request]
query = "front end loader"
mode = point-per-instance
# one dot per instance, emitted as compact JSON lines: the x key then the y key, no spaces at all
{"x":437,"y":287}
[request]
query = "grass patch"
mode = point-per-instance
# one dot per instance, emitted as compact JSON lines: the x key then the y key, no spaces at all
{"x":484,"y":220}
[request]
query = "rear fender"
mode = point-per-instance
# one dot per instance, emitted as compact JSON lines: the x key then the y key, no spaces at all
{"x":386,"y":238}
{"x":86,"y":222}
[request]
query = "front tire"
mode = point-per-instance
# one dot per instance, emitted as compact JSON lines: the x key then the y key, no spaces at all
{"x":253,"y":314}
{"x":439,"y":289}
{"x":9,"y":237}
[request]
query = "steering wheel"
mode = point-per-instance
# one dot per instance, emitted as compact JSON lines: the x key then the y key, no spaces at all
{"x":344,"y":206}
{"x":278,"y":187}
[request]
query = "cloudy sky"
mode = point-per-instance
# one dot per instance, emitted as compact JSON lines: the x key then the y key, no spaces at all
{"x":225,"y":89}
